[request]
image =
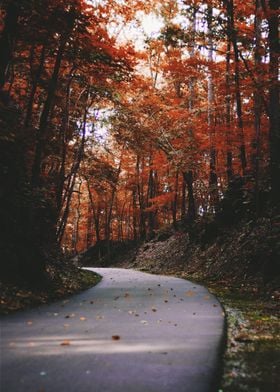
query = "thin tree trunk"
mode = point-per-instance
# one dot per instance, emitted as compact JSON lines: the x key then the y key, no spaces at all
{"x":257,"y":106}
{"x":183,"y":204}
{"x":35,"y":82}
{"x":72,"y":179}
{"x":175,"y":202}
{"x":7,"y":40}
{"x":63,"y":146}
{"x":274,"y":105}
{"x":191,"y":214}
{"x":142,"y":223}
{"x":89,"y":225}
{"x":41,"y":136}
{"x":151,"y":193}
{"x":134,"y":212}
{"x":213,"y":179}
{"x":233,"y":37}
{"x":95,"y":213}
{"x":77,"y":228}
{"x":228,"y":115}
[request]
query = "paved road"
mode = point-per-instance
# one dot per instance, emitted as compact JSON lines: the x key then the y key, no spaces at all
{"x":132,"y":332}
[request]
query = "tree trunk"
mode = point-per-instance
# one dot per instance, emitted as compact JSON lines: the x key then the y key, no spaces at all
{"x":191,"y":214}
{"x":233,"y":37}
{"x":229,"y":167}
{"x":7,"y":40}
{"x":72,"y":179}
{"x":213,"y":178}
{"x":175,"y":202}
{"x":140,"y":191}
{"x":35,"y":82}
{"x":134,"y":212}
{"x":183,"y":204}
{"x":41,"y":136}
{"x":274,"y":106}
{"x":257,"y":106}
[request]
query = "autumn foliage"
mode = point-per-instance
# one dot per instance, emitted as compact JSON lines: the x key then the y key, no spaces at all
{"x":103,"y":138}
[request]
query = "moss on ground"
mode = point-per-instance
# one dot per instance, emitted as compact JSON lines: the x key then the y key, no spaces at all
{"x":252,"y":356}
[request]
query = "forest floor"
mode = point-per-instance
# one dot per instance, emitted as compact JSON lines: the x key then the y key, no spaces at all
{"x":63,"y":282}
{"x":240,"y":267}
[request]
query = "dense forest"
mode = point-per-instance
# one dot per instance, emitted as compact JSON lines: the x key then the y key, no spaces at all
{"x":110,"y":131}
{"x":145,"y":135}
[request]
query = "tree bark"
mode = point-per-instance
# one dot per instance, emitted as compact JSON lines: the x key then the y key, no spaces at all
{"x":274,"y":105}
{"x":35,"y":81}
{"x":41,"y":135}
{"x":233,"y":37}
{"x":213,"y":178}
{"x":7,"y":39}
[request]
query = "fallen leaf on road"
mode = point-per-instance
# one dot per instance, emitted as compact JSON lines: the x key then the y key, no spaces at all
{"x":189,"y":293}
{"x":82,"y":318}
{"x":29,"y":322}
{"x":70,"y":315}
{"x":115,"y":337}
{"x":206,"y":297}
{"x":154,"y":309}
{"x":144,"y":322}
{"x":65,"y":343}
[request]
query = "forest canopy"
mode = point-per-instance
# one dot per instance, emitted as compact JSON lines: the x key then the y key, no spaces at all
{"x":110,"y":130}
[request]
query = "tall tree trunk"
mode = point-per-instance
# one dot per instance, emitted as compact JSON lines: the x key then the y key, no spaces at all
{"x":35,"y":81}
{"x":228,"y":115}
{"x":140,"y":192}
{"x":94,"y":212}
{"x":151,"y":193}
{"x":188,"y":175}
{"x":191,"y":214}
{"x":175,"y":202}
{"x":63,"y":147}
{"x":183,"y":203}
{"x":78,"y":212}
{"x":41,"y":136}
{"x":72,"y":178}
{"x":233,"y":37}
{"x":134,"y":213}
{"x":7,"y":39}
{"x":274,"y":105}
{"x":89,"y":225}
{"x":257,"y":105}
{"x":213,"y":178}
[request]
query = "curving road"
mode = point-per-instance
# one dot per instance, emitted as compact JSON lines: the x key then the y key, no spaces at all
{"x":132,"y":332}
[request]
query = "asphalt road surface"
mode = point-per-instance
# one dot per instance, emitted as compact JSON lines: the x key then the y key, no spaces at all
{"x":133,"y":332}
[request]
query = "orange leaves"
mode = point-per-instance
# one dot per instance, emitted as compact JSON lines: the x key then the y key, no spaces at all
{"x":65,"y":343}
